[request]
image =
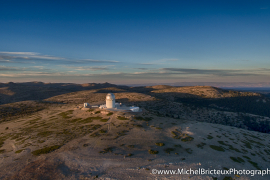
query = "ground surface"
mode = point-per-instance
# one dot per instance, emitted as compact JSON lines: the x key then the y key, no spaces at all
{"x":45,"y":133}
{"x":87,"y":144}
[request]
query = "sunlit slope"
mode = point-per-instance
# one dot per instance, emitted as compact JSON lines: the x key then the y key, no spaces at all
{"x":117,"y":145}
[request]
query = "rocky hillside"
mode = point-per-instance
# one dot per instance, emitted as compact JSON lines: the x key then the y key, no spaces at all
{"x":46,"y":134}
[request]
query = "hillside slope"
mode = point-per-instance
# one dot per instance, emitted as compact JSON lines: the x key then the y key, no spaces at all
{"x":65,"y":142}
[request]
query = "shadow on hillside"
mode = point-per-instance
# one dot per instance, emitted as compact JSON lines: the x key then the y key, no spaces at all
{"x":246,"y":104}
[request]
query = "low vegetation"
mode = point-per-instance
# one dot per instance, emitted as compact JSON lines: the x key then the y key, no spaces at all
{"x":168,"y":150}
{"x":254,"y":164}
{"x":160,"y":144}
{"x":217,"y":148}
{"x":201,"y":145}
{"x":151,"y":151}
{"x":45,"y":133}
{"x":106,"y":150}
{"x":109,"y":114}
{"x":140,"y":118}
{"x":19,"y":151}
{"x":104,"y":120}
{"x":189,"y":150}
{"x":45,"y":150}
{"x":237,"y":159}
{"x":66,"y":114}
{"x":187,"y":138}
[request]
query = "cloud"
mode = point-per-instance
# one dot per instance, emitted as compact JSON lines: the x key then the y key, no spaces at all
{"x":87,"y":68}
{"x":264,"y":8}
{"x":4,"y":68}
{"x":142,"y":68}
{"x":25,"y":57}
{"x":166,"y":59}
{"x":98,"y":61}
{"x":90,"y":68}
{"x":160,"y":61}
{"x":139,"y":73}
{"x":32,"y":58}
{"x":146,"y":63}
{"x":217,"y":72}
{"x":19,"y":53}
{"x":33,"y":74}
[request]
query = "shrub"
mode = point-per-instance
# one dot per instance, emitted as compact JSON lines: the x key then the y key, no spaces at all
{"x":178,"y":145}
{"x":109,"y":114}
{"x":217,"y":148}
{"x":140,"y":118}
{"x":137,"y":125}
{"x":102,"y":131}
{"x":45,"y":133}
{"x":106,"y":150}
{"x":122,"y":118}
{"x":254,"y":164}
{"x":189,"y":151}
{"x":45,"y":150}
{"x":104,"y":120}
{"x":186,"y":139}
{"x":65,"y":114}
{"x":19,"y":151}
{"x":237,"y":159}
{"x":201,"y":145}
{"x":168,"y":150}
{"x":152,"y":151}
{"x":160,"y":144}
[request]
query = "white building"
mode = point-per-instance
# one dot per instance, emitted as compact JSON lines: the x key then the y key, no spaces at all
{"x":111,"y":105}
{"x":110,"y":100}
{"x":134,"y":109}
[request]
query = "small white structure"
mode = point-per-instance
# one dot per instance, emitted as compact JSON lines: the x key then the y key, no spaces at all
{"x":134,"y":109}
{"x":102,"y":106}
{"x":86,"y":105}
{"x":110,"y":100}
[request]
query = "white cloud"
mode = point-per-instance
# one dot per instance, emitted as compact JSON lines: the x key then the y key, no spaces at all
{"x":139,"y":73}
{"x":98,"y":61}
{"x":32,"y":57}
{"x":172,"y":59}
{"x":19,"y":53}
{"x":46,"y":57}
{"x":146,"y":63}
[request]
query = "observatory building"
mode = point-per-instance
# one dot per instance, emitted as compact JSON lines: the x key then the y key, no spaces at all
{"x":110,"y":101}
{"x":111,"y":105}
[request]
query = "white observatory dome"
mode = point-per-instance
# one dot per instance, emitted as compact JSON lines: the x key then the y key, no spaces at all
{"x":110,"y":100}
{"x":110,"y":96}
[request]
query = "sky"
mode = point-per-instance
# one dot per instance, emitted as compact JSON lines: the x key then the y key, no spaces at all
{"x":135,"y":41}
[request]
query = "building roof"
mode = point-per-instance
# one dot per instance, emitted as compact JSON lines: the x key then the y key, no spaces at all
{"x":110,"y":96}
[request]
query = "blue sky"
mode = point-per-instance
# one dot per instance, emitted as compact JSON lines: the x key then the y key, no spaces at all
{"x":133,"y":42}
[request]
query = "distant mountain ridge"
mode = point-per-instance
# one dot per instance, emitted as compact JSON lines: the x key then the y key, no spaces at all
{"x":215,"y":84}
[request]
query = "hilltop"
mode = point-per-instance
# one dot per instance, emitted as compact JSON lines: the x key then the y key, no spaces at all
{"x":49,"y":136}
